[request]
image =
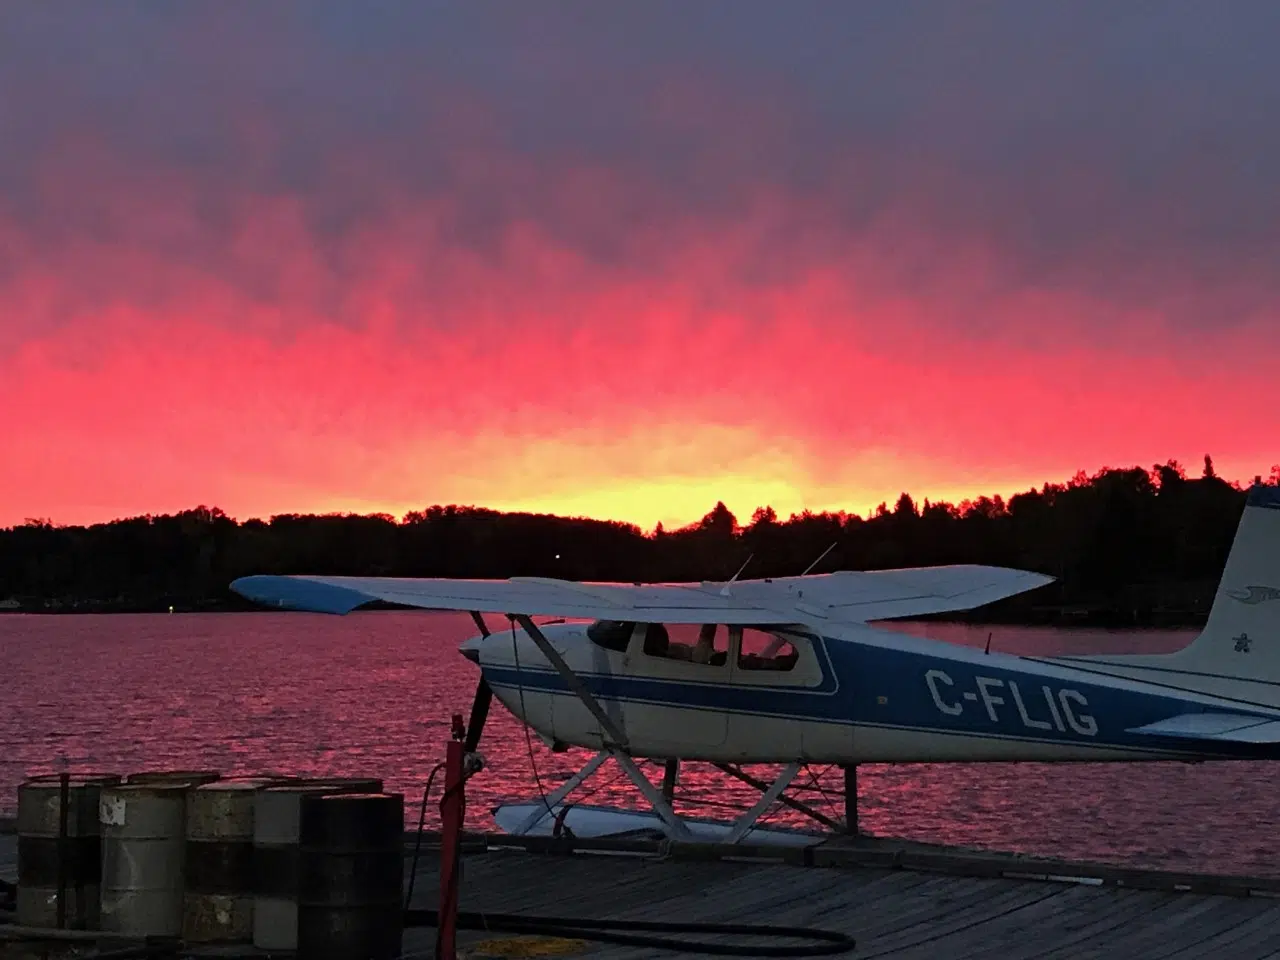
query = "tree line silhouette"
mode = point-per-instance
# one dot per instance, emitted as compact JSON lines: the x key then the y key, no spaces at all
{"x":1128,"y":545}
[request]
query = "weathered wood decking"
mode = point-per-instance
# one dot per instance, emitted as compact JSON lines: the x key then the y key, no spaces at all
{"x":934,"y":904}
{"x":892,"y":912}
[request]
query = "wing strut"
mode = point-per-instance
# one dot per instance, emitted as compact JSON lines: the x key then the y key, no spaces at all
{"x":575,"y":682}
{"x":483,"y":697}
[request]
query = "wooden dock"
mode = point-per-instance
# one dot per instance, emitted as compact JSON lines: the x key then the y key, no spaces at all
{"x":897,"y":899}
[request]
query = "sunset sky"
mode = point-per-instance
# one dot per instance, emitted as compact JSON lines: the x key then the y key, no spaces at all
{"x":627,"y":259}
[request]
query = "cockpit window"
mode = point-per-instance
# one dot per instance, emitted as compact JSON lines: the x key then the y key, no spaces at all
{"x":611,"y":634}
{"x":657,"y":641}
{"x":765,"y":651}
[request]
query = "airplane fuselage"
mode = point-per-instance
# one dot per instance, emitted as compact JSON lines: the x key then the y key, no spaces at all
{"x":850,"y":694}
{"x":787,"y":670}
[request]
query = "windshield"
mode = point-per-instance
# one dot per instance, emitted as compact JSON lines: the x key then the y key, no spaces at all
{"x":611,"y":634}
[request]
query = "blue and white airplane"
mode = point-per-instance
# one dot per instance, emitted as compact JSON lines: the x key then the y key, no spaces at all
{"x":790,"y":671}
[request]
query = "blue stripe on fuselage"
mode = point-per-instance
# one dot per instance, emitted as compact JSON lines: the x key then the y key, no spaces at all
{"x":886,"y":687}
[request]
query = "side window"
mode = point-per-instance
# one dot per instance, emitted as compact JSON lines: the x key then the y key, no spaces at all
{"x":706,"y":644}
{"x":761,"y":650}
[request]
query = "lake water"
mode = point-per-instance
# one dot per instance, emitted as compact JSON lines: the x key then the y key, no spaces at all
{"x":372,"y":693}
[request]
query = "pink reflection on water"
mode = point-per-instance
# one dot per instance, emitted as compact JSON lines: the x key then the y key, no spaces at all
{"x":372,"y":694}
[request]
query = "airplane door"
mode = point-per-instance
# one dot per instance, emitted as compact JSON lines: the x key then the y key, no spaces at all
{"x":787,"y":674}
{"x":674,"y":681}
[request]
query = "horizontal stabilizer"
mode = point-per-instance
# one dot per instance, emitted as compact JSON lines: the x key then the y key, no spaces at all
{"x":1236,"y":727}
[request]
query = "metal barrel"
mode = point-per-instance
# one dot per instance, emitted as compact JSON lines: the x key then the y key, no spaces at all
{"x":143,"y":846}
{"x":217,"y":902}
{"x":351,"y":878}
{"x":60,"y":851}
{"x":277,"y":818}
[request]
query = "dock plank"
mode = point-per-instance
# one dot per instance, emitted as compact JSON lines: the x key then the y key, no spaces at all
{"x":1189,"y":924}
{"x":936,"y":906}
{"x":907,"y":913}
{"x":1257,"y":937}
{"x":1059,"y":923}
{"x":1075,"y":918}
{"x":953,"y":930}
{"x":1211,"y":929}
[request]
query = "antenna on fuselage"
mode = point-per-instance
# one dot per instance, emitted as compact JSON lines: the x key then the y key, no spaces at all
{"x":820,"y":556}
{"x":724,"y":591}
{"x":988,"y":650}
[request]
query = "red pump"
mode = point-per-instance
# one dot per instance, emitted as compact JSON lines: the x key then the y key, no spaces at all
{"x":452,"y":808}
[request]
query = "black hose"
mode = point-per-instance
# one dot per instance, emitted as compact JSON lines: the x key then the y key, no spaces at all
{"x":164,"y":949}
{"x":417,"y":846}
{"x":17,"y":931}
{"x":616,"y":932}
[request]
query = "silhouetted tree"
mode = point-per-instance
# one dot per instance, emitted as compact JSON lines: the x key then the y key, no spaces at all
{"x":1169,"y":475}
{"x":1125,"y":544}
{"x":720,"y":521}
{"x":765,"y":516}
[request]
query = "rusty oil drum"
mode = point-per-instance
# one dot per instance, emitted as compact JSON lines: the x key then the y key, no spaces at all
{"x":47,"y":864}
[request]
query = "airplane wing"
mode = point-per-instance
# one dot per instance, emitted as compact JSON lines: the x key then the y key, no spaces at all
{"x":858,"y":597}
{"x":846,"y":597}
{"x":1236,"y":727}
{"x":533,"y":596}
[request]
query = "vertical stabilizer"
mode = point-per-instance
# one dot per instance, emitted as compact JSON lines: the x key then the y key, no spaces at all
{"x":1242,"y":636}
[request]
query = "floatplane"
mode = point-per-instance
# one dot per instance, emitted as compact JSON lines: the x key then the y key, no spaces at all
{"x":792,"y":671}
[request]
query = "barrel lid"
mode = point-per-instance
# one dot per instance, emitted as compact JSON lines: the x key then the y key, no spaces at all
{"x":248,"y":783}
{"x":334,"y":785}
{"x":173,"y":776}
{"x":144,"y":788}
{"x":54,"y":780}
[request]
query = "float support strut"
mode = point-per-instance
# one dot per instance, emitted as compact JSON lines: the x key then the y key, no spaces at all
{"x":798,"y":805}
{"x":767,"y":799}
{"x":851,"y":800}
{"x":669,"y":774}
{"x":558,"y":795}
{"x":676,"y":830}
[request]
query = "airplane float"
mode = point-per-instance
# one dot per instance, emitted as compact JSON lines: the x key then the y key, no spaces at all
{"x":792,"y":671}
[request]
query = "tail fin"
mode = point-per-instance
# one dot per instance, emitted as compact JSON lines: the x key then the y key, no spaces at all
{"x":1241,"y":638}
